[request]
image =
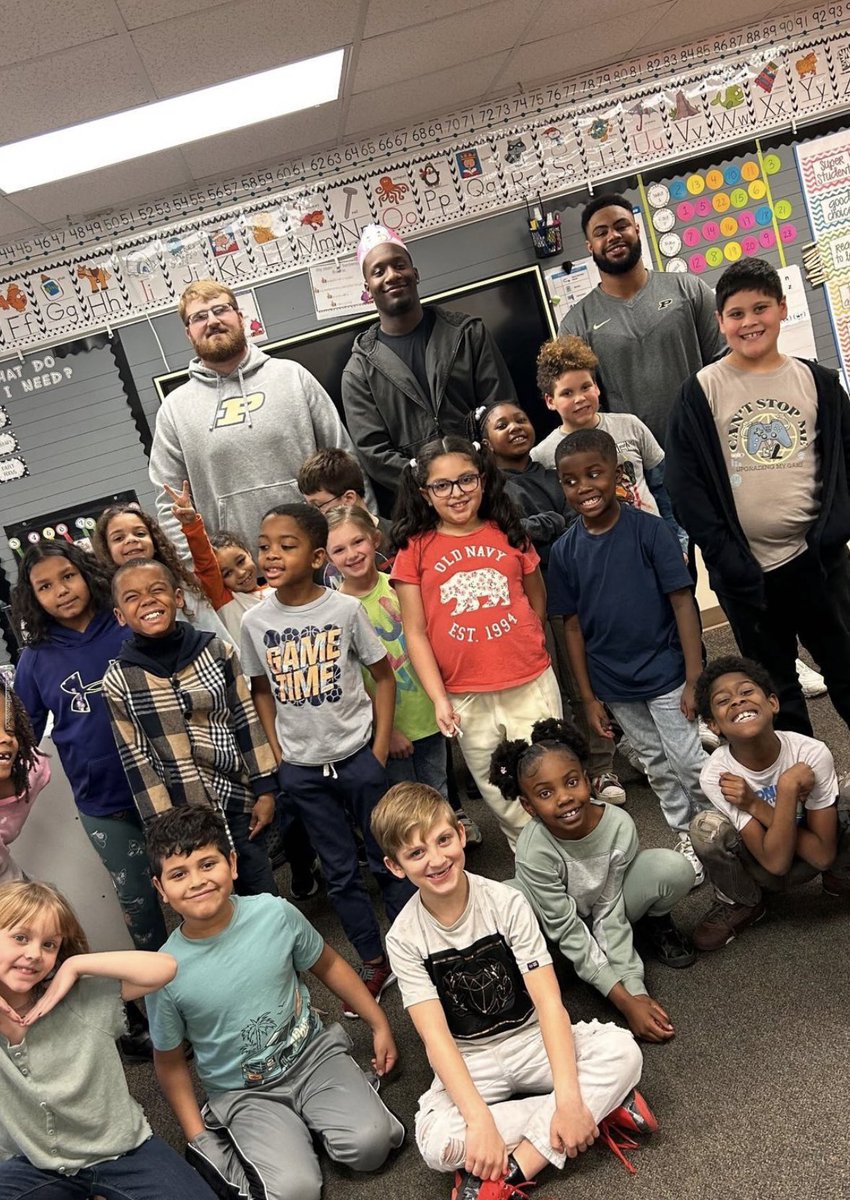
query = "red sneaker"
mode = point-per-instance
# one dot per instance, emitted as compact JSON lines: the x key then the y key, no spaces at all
{"x":377,"y":977}
{"x":632,"y":1116}
{"x":470,"y":1187}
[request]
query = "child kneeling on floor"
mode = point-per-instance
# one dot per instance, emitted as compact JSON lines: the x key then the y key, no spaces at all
{"x":579,"y":863}
{"x":774,"y":820}
{"x":273,"y":1075}
{"x":478,"y":982}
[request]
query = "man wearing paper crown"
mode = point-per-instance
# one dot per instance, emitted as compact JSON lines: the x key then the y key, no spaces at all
{"x":418,"y":373}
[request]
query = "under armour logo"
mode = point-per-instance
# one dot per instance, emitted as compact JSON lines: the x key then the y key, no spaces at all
{"x":79,"y":692}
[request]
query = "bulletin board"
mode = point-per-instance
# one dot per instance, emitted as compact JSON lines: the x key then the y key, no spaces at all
{"x":704,"y":220}
{"x":824,"y":166}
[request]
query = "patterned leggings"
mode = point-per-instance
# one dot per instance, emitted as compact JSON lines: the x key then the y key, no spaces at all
{"x":120,"y":844}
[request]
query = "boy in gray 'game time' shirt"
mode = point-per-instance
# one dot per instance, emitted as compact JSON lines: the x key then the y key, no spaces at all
{"x":304,"y":648}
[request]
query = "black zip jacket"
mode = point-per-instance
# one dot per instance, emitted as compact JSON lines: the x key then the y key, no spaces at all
{"x":697,"y":479}
{"x":388,"y":415}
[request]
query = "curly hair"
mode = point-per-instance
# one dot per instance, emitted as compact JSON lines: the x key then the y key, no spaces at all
{"x":560,"y":355}
{"x":729,"y":664}
{"x":17,"y":722}
{"x":32,"y":623}
{"x":512,"y":761}
{"x":308,"y":519}
{"x":413,"y":515}
{"x":164,"y":550}
{"x":586,"y":441}
{"x":183,"y":830}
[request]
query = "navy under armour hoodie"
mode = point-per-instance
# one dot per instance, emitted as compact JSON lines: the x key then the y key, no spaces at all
{"x":65,"y":676}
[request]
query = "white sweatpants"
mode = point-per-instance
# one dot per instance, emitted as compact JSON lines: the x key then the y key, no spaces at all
{"x":609,"y":1065}
{"x":488,"y":717}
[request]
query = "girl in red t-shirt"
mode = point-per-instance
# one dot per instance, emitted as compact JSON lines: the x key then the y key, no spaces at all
{"x":473,"y":604}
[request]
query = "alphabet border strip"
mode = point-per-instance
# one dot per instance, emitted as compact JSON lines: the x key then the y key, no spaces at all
{"x":556,"y":140}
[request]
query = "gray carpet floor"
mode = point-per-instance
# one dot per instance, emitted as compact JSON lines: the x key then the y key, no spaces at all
{"x":751,"y":1095}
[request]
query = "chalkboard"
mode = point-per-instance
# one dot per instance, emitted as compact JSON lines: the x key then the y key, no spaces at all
{"x":514,"y":307}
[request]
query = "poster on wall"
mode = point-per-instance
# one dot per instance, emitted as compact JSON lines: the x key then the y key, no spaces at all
{"x":338,"y":290}
{"x":824,"y":166}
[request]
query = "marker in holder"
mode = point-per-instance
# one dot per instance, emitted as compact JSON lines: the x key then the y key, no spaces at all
{"x":544,"y":230}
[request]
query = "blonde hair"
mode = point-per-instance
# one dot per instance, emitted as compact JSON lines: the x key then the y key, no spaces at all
{"x":561,"y":355}
{"x":406,"y":808}
{"x":352,"y":512}
{"x":204,"y":289}
{"x":22,"y":902}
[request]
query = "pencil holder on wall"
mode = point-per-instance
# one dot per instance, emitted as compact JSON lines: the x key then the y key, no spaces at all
{"x":544,"y":229}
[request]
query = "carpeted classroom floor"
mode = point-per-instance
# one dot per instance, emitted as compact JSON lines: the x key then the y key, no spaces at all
{"x":751,"y":1095}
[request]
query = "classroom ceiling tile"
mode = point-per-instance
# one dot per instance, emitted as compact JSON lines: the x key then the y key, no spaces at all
{"x":687,"y":21}
{"x":266,"y":143}
{"x":395,"y":104}
{"x":118,"y":81}
{"x":578,"y":50}
{"x":13,"y":220}
{"x":111,"y":187}
{"x":215,"y":45}
{"x":40,"y":27}
{"x":137,"y":13}
{"x":383,"y":16}
{"x":400,"y":57}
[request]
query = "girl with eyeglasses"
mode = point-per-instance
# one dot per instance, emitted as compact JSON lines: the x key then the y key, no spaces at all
{"x":473,"y":606}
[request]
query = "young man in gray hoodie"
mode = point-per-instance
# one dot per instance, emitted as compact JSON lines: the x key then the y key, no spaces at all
{"x":242,"y":425}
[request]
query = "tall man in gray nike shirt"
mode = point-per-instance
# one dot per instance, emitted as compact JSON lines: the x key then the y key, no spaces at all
{"x":649,"y":330}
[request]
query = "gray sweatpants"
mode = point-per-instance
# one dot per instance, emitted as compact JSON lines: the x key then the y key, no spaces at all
{"x":261,"y":1139}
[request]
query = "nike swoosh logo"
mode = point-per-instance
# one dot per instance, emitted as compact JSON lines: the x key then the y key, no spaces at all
{"x":599,"y":326}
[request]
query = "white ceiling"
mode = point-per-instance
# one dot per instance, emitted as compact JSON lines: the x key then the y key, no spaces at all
{"x":67,"y":61}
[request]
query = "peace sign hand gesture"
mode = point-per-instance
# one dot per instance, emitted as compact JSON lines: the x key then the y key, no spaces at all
{"x":183,"y":508}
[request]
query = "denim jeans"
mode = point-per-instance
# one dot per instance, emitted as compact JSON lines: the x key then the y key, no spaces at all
{"x":668,"y":745}
{"x":427,"y":764}
{"x":153,"y":1171}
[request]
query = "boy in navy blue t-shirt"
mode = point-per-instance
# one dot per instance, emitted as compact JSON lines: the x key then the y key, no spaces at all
{"x":618,"y":579}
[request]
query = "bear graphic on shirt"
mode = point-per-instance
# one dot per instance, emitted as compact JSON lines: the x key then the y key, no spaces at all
{"x":471,"y":590}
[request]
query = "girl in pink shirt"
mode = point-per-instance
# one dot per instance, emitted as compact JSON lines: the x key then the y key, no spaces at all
{"x":23,"y":773}
{"x":473,"y":605}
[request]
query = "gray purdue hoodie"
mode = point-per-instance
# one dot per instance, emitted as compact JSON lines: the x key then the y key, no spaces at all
{"x":240,"y":440}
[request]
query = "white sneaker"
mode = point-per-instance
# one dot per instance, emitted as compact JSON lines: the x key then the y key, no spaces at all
{"x":625,"y":747}
{"x":607,"y":787}
{"x":709,"y":739}
{"x":812,"y":682}
{"x":686,"y":849}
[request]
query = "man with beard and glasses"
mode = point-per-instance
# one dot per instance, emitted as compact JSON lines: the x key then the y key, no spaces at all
{"x":419,"y":372}
{"x":242,"y":425}
{"x":650,"y":330}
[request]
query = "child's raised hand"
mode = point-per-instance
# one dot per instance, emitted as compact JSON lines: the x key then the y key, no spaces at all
{"x":486,"y":1152}
{"x":648,"y":1020}
{"x":183,"y":508}
{"x":386,"y":1053}
{"x":58,"y":988}
{"x":573,"y":1129}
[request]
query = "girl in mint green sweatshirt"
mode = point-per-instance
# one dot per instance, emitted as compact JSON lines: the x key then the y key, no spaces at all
{"x":579,"y":863}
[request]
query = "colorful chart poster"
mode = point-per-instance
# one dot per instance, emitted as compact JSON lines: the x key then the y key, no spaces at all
{"x":710,"y":218}
{"x":824,"y":166}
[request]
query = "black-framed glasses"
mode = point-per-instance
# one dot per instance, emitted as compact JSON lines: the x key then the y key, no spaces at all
{"x":218,"y":310}
{"x":470,"y":481}
{"x":325,"y":506}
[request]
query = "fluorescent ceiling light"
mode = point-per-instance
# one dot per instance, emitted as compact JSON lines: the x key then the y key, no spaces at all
{"x":167,"y":123}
